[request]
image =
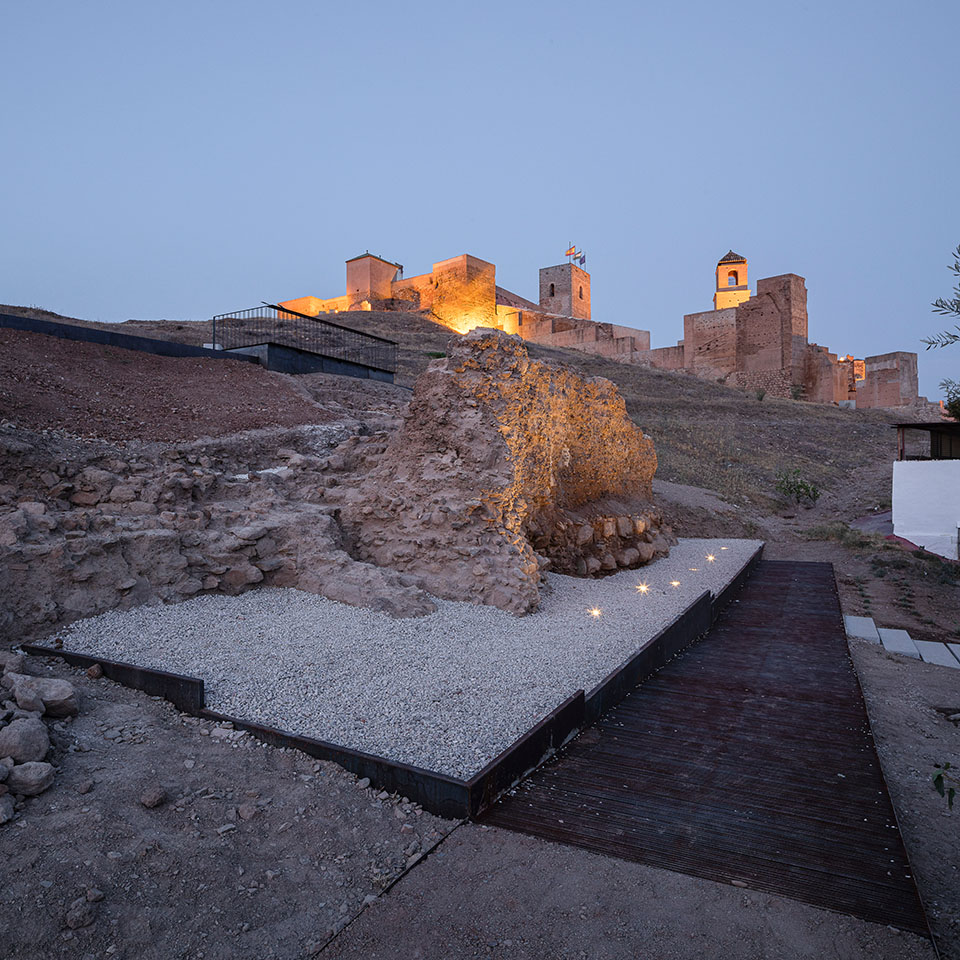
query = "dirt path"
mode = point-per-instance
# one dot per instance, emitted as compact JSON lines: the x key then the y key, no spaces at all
{"x":263,"y":853}
{"x":495,"y":894}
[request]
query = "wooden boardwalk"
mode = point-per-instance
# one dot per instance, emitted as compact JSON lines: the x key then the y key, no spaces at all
{"x":747,"y":759}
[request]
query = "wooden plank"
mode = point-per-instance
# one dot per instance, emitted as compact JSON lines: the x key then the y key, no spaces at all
{"x":749,"y":758}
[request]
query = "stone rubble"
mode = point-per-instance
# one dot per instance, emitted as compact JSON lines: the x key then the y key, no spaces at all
{"x":24,"y":738}
{"x":504,"y":468}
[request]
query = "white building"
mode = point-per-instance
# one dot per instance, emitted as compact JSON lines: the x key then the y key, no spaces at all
{"x":926,"y":486}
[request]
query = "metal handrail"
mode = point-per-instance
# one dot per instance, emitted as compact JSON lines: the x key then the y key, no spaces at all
{"x":271,"y":323}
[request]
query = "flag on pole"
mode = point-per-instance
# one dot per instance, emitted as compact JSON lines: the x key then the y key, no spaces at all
{"x":583,"y":259}
{"x":571,"y":251}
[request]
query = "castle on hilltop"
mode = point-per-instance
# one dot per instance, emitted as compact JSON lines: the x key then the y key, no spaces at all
{"x":752,"y":341}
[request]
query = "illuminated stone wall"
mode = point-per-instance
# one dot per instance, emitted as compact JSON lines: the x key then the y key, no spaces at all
{"x":465,"y":293}
{"x":370,"y":278}
{"x":416,"y":291}
{"x":506,"y":466}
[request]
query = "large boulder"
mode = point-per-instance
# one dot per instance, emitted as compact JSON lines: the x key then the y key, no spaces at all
{"x":29,"y":779}
{"x":57,"y":698}
{"x":506,"y":466}
{"x":11,"y":662}
{"x":24,"y":740}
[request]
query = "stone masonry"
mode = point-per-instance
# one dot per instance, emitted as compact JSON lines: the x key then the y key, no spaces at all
{"x":504,"y":467}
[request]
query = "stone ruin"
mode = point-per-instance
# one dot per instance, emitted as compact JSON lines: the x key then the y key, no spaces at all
{"x":502,"y":468}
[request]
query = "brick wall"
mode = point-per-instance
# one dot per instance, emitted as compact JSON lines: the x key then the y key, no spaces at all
{"x":710,"y":343}
{"x":568,"y":281}
{"x":663,"y":358}
{"x":771,"y":336}
{"x":890,"y":381}
{"x":819,"y":375}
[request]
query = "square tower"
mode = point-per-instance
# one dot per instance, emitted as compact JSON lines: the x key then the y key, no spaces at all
{"x":732,"y":289}
{"x":370,"y":277}
{"x":565,"y":290}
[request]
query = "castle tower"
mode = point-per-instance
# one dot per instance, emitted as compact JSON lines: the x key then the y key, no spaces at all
{"x":565,"y":289}
{"x":731,"y":282}
{"x":370,"y":278}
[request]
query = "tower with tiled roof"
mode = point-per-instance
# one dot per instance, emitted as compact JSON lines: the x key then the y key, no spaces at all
{"x":732,"y":287}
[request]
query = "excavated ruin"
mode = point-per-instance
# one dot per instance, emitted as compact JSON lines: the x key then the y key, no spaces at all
{"x":504,"y":467}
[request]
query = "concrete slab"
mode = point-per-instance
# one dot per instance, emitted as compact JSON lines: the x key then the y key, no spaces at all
{"x":899,"y":641}
{"x":861,"y":628}
{"x":954,"y":648}
{"x":938,"y":653}
{"x":505,"y":896}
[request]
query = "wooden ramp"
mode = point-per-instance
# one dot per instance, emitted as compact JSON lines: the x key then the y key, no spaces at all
{"x":747,"y":759}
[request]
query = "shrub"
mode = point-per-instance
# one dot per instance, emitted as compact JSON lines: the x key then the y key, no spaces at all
{"x":846,"y":535}
{"x":796,"y":391}
{"x":761,"y":393}
{"x":952,"y":390}
{"x":794,"y":486}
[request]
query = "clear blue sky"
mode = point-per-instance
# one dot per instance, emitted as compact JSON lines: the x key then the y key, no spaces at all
{"x":181,"y":159}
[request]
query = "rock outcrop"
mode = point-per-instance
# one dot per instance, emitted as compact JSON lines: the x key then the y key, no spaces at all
{"x":506,"y":466}
{"x":24,"y":739}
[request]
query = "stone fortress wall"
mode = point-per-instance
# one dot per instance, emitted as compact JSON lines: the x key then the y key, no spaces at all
{"x":755,"y":341}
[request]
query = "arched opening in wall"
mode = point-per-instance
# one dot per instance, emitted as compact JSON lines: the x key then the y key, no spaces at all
{"x":732,"y":278}
{"x":581,"y":293}
{"x":552,"y":290}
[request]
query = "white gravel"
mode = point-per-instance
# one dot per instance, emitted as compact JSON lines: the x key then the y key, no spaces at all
{"x":446,"y":692}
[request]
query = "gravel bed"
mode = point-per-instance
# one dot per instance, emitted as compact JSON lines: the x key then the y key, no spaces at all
{"x":446,"y":692}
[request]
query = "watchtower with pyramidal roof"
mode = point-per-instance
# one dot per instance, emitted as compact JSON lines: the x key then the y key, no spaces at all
{"x":732,"y":287}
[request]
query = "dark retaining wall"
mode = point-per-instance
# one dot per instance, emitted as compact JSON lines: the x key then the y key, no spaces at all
{"x":284,"y":359}
{"x":126,"y":341}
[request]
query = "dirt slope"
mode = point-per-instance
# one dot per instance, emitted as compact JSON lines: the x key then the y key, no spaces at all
{"x":105,"y":392}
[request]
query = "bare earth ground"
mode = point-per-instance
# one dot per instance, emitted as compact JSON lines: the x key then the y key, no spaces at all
{"x":484,"y":893}
{"x":115,"y":394}
{"x":192,"y":877}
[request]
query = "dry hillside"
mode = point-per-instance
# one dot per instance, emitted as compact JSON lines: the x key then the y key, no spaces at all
{"x":707,"y":435}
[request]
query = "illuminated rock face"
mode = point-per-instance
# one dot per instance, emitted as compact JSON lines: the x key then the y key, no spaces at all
{"x":506,"y":466}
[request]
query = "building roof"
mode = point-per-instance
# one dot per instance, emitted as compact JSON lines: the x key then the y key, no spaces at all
{"x":373,"y":256}
{"x":731,"y":257}
{"x":508,"y":298}
{"x":940,"y":426}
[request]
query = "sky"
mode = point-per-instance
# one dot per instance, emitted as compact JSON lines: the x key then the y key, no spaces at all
{"x":183,"y":159}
